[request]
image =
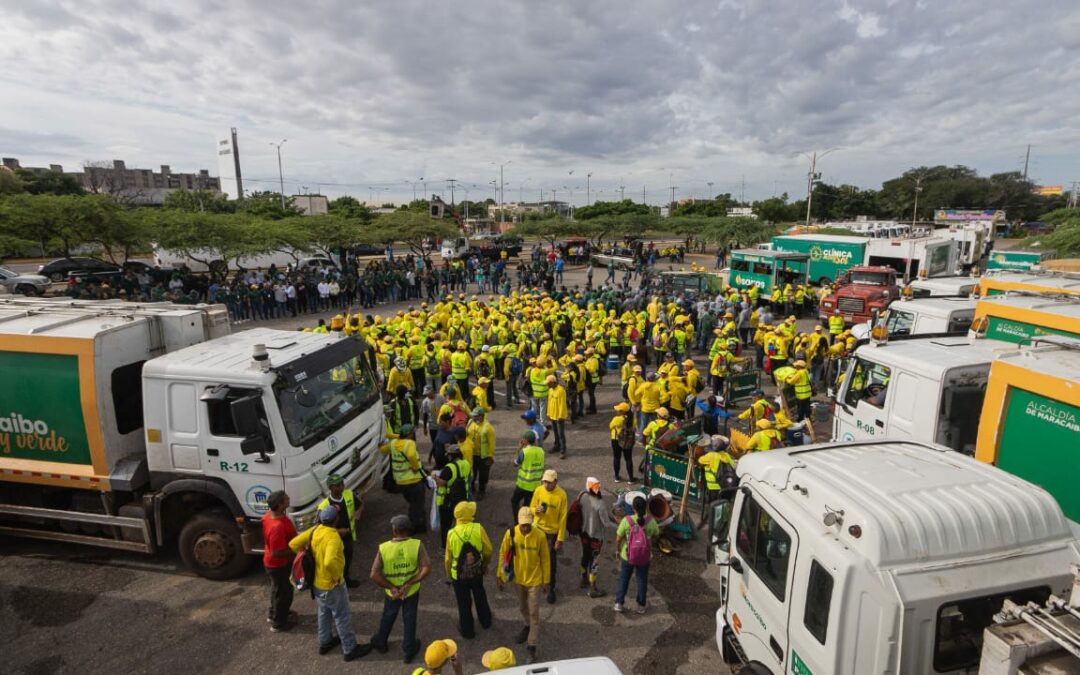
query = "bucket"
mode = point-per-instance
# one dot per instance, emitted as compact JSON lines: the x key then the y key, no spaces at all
{"x":820,"y":411}
{"x":628,"y":501}
{"x":660,"y":509}
{"x":613,"y":362}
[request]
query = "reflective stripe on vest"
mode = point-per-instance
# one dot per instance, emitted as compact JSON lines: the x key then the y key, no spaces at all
{"x":802,"y":385}
{"x":459,"y":365}
{"x":400,"y":562}
{"x":531,"y":469}
{"x":404,"y":474}
{"x":836,"y":324}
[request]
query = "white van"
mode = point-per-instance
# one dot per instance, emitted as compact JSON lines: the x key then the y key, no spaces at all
{"x":935,"y":287}
{"x":874,"y":558}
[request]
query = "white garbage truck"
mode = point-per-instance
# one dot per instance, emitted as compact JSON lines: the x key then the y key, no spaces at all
{"x":878,"y":558}
{"x":146,"y":426}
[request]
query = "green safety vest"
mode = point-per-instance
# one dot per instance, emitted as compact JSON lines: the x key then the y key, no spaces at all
{"x":531,"y":469}
{"x":400,"y":562}
{"x":459,"y":470}
{"x":350,"y":508}
{"x":836,"y":324}
{"x":459,"y":365}
{"x":456,"y":539}
{"x":802,"y":385}
{"x":404,"y":474}
{"x":538,"y":380}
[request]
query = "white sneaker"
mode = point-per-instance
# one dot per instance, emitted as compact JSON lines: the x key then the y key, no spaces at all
{"x":640,"y":609}
{"x":618,"y":607}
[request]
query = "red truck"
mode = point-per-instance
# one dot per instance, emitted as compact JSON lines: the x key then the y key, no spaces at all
{"x":859,"y":292}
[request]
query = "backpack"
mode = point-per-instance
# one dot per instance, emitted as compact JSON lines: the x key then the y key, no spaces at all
{"x":575,"y":519}
{"x":516,"y":366}
{"x":470,"y":564}
{"x":627,"y":436}
{"x":432,"y":367}
{"x":446,"y":367}
{"x":483,"y":368}
{"x":638,"y":546}
{"x":507,"y":562}
{"x":303,"y":568}
{"x":459,"y":417}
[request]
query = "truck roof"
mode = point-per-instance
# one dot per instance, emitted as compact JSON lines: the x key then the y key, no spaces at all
{"x":829,"y":238}
{"x":232,"y":354}
{"x":932,"y":357}
{"x":64,"y":317}
{"x":915,"y":503}
{"x":1066,"y":306}
{"x":768,"y":253}
{"x":950,"y":285}
{"x":934,"y":306}
{"x":1054,"y":355}
{"x":1066,"y":282}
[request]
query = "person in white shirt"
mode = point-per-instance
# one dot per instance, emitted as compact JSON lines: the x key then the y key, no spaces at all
{"x":324,"y":294}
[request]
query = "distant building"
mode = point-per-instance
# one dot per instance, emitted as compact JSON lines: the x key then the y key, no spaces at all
{"x":228,"y":151}
{"x":141,"y":187}
{"x":311,"y":205}
{"x":741,"y":212}
{"x":515,"y":210}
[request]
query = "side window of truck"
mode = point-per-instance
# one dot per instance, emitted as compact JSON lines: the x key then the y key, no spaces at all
{"x":819,"y":590}
{"x":220,"y":416}
{"x":764,"y":546}
{"x":127,"y":397}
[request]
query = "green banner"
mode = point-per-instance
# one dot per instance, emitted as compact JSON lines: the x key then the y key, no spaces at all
{"x":41,"y":418}
{"x":1019,"y":332}
{"x":1040,"y":442}
{"x":1013,"y":260}
{"x":668,"y":472}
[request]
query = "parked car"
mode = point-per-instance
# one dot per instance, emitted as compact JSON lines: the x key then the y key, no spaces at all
{"x":318,"y":262}
{"x":27,"y":284}
{"x":368,"y":249}
{"x":87,"y":268}
{"x":157,"y":273}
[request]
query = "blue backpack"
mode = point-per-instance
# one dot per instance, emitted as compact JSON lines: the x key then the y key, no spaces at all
{"x":516,"y":366}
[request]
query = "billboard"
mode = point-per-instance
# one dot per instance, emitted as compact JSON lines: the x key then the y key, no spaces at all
{"x":1048,"y":190}
{"x":228,"y":154}
{"x":42,"y":418}
{"x":966,"y":215}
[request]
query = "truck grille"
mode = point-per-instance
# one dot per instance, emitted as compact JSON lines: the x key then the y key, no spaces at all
{"x":851,"y":305}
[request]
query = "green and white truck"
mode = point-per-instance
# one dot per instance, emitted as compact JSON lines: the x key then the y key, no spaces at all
{"x":830,"y":255}
{"x":767,"y":269}
{"x":1017,"y":260}
{"x":142,"y":426}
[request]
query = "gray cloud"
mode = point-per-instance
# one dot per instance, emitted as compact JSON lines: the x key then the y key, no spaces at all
{"x":716,"y":89}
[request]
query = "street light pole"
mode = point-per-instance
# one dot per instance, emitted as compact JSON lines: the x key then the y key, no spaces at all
{"x":915,"y":209}
{"x":812,"y":178}
{"x":281,"y":173}
{"x":588,"y":189}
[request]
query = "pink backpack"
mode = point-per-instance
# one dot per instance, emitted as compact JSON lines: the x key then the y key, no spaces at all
{"x":638,"y":546}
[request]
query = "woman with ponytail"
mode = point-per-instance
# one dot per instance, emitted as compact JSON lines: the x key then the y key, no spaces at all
{"x":633,"y":544}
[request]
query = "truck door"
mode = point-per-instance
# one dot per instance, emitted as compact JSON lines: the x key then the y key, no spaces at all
{"x":244,"y":458}
{"x":759,"y":575}
{"x":863,"y":401}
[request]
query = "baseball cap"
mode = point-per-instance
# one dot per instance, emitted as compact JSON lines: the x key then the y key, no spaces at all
{"x":550,"y":475}
{"x":439,"y":652}
{"x":495,"y":659}
{"x":525,"y":516}
{"x":334,"y":479}
{"x":528,"y":415}
{"x":328,"y":514}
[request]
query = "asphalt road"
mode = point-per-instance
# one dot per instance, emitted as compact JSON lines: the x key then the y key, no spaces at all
{"x":72,"y":609}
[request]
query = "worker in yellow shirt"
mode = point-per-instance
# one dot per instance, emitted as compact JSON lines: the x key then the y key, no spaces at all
{"x":656,"y":428}
{"x":407,"y":473}
{"x":549,"y":505}
{"x":630,"y":387}
{"x":759,"y":409}
{"x":692,"y":376}
{"x":593,"y":377}
{"x":765,"y":438}
{"x":800,"y":381}
{"x":718,"y":464}
{"x":399,"y":375}
{"x":481,"y":435}
{"x":623,"y":438}
{"x":648,"y":395}
{"x":532,"y":573}
{"x":557,"y":411}
{"x":480,"y":394}
{"x":676,"y":395}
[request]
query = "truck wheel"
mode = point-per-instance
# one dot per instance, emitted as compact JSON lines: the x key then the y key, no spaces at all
{"x":755,"y":668}
{"x":57,"y":276}
{"x":823,"y":280}
{"x":210,"y":546}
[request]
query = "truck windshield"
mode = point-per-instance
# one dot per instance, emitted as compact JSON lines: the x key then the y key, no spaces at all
{"x":322,"y":403}
{"x":899,"y":323}
{"x":869,"y":278}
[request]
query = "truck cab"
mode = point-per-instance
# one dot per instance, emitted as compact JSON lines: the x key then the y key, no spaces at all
{"x":453,"y":248}
{"x":927,"y":390}
{"x":860,"y":292}
{"x":924,"y":316}
{"x":886,"y":557}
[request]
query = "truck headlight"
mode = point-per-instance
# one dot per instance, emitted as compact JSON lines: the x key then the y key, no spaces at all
{"x":826,"y":304}
{"x":304,"y":521}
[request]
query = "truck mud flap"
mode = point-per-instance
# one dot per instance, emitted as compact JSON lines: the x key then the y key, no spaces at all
{"x":142,"y":542}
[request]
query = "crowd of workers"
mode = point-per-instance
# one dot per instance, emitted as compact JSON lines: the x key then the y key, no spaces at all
{"x":446,"y":365}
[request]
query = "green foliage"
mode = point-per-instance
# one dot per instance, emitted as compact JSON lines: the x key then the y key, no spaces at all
{"x":349,"y":207}
{"x":49,"y":183}
{"x":412,"y":227}
{"x":611,"y":209}
{"x":778,"y":210}
{"x":1065,"y":239}
{"x":550,"y":229}
{"x":10,"y":184}
{"x":331,"y":233}
{"x":714,"y":208}
{"x":1061,"y":217}
{"x":267,"y":205}
{"x":63,"y":221}
{"x":199,"y":200}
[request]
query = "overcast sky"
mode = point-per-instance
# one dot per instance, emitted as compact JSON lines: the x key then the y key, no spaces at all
{"x":374,"y":95}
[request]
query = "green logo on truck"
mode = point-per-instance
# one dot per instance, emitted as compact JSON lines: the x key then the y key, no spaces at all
{"x":1019,"y":332}
{"x":1039,"y":440}
{"x":41,"y":418}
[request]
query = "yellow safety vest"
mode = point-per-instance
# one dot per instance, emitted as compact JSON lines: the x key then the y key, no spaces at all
{"x":460,"y":469}
{"x":836,"y":324}
{"x":404,"y":474}
{"x":459,"y":365}
{"x":400,"y":562}
{"x":531,"y":469}
{"x":802,"y":385}
{"x":350,"y":508}
{"x":456,"y":539}
{"x":538,"y":381}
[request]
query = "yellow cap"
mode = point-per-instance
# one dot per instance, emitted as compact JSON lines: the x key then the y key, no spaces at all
{"x":496,"y":659}
{"x":439,"y":652}
{"x":662,"y":413}
{"x":764,"y":424}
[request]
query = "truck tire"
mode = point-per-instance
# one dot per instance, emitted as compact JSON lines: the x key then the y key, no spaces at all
{"x":755,"y":668}
{"x":210,"y":546}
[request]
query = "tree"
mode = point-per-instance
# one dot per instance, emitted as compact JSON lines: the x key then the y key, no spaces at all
{"x":778,"y":210}
{"x":206,"y":237}
{"x":332,"y":234}
{"x":413,"y":228}
{"x":610,"y":209}
{"x":348,"y":207}
{"x":549,"y":230}
{"x":707,"y":207}
{"x":10,"y":183}
{"x":48,"y":182}
{"x":199,"y":200}
{"x":267,"y":205}
{"x":61,"y":221}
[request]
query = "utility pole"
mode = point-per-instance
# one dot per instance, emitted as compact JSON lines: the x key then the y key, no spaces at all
{"x":1073,"y":195}
{"x":1027,"y":156}
{"x":673,"y":187}
{"x":812,"y":178}
{"x":622,"y":190}
{"x":742,"y":190}
{"x":588,"y":189}
{"x":451,"y":181}
{"x":711,"y":195}
{"x":643,"y":193}
{"x":915,"y":209}
{"x":502,"y":196}
{"x":280,"y":172}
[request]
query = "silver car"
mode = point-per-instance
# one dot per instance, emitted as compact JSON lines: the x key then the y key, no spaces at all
{"x":27,"y":284}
